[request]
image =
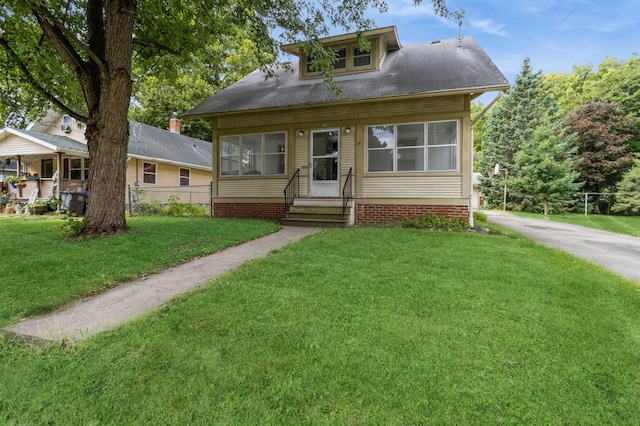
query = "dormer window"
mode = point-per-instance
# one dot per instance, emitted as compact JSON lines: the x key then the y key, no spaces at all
{"x":341,"y":59}
{"x":361,"y":58}
{"x":339,"y":64}
{"x":351,"y":56}
{"x":67,"y":124}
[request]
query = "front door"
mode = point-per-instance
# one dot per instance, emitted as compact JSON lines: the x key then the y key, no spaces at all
{"x":325,"y":163}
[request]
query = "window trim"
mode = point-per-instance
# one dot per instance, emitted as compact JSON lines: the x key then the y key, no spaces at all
{"x":350,"y":48}
{"x":44,"y":161}
{"x":154,"y":173}
{"x":425,"y":148}
{"x":187,"y":177}
{"x":361,"y":54}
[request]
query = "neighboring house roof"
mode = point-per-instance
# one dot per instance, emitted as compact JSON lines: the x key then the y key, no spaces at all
{"x":145,"y":142}
{"x":53,"y":143}
{"x":152,"y":143}
{"x":438,"y":67}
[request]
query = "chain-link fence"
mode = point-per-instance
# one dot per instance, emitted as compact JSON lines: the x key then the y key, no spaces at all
{"x":193,"y":200}
{"x":584,"y":203}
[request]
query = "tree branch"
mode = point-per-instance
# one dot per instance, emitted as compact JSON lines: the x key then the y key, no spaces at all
{"x":64,"y":38}
{"x":145,"y":43}
{"x":33,"y":82}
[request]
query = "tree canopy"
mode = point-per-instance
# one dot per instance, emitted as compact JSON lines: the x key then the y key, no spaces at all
{"x":83,"y":57}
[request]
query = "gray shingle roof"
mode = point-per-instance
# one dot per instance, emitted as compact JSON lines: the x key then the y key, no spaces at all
{"x":414,"y":69}
{"x":61,"y":142}
{"x":146,"y":142}
{"x":154,"y":143}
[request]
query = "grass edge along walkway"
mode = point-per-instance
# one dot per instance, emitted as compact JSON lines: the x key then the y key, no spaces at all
{"x":388,"y":326}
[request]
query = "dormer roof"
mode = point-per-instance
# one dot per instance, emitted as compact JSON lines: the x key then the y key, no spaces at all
{"x":389,"y":36}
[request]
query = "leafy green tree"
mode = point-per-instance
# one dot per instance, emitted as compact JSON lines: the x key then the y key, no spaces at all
{"x":479,"y":128}
{"x":547,"y":167}
{"x":513,"y":120}
{"x":602,"y":135}
{"x":81,"y":55}
{"x":628,"y":202}
{"x":157,"y":96}
{"x":613,"y":81}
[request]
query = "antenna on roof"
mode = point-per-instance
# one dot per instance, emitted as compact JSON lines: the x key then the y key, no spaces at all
{"x":459,"y":15}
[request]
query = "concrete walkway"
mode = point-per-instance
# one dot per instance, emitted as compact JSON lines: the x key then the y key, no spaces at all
{"x":616,"y":252}
{"x":121,"y":304}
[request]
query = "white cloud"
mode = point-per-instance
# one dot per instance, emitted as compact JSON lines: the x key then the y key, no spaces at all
{"x":487,"y":26}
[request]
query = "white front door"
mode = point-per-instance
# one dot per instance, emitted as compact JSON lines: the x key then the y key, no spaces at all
{"x":325,"y":163}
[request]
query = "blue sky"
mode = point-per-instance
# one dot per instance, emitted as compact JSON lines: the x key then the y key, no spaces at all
{"x":555,"y":35}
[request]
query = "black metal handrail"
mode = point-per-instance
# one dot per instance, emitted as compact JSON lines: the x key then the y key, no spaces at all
{"x":292,"y":190}
{"x":347,"y":191}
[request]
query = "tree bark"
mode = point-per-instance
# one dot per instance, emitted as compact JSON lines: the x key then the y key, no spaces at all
{"x":107,"y":131}
{"x":545,"y":203}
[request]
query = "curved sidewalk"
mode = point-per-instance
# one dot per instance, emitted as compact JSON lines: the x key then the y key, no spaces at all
{"x":121,"y":304}
{"x":615,"y":252}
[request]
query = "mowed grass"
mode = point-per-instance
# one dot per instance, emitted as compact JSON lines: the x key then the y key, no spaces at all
{"x":628,"y":225}
{"x":358,"y":326}
{"x":40,"y":270}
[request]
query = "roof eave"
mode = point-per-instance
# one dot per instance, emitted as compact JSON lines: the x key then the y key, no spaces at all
{"x":474,"y":92}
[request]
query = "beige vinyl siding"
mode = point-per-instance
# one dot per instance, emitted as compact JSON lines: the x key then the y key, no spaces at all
{"x":256,"y":188}
{"x":412,"y":187}
{"x":347,"y":154}
{"x":168,"y":182}
{"x":302,"y":162}
{"x":20,"y":146}
{"x":370,"y":111}
{"x":77,"y":131}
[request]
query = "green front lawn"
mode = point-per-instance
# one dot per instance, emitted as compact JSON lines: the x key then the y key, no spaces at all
{"x":628,"y":225}
{"x":40,"y":270}
{"x":358,"y":326}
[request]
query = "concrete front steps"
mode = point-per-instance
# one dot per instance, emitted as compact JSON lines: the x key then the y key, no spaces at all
{"x":319,"y":212}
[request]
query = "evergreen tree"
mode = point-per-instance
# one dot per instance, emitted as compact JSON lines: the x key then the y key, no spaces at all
{"x":629,"y":201}
{"x":547,"y":166}
{"x":513,"y":120}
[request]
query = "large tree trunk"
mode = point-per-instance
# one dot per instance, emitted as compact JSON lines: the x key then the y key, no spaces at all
{"x":107,"y":130}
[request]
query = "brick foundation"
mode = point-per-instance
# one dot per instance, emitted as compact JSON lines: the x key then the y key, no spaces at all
{"x":374,"y":214}
{"x":269,"y":211}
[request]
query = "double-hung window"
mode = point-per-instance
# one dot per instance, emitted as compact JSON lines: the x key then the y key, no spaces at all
{"x":253,"y":155}
{"x":149,"y":173}
{"x":414,"y":147}
{"x":185,"y":177}
{"x":361,"y":58}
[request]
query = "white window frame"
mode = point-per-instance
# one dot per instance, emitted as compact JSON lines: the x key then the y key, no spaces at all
{"x":67,"y":121}
{"x":154,"y":174}
{"x":361,"y":54}
{"x":245,"y":156}
{"x":426,"y":149}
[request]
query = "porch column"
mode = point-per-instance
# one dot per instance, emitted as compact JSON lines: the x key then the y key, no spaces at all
{"x":18,"y":164}
{"x":59,"y":175}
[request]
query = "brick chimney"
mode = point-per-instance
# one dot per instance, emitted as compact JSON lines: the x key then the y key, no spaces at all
{"x":174,"y":124}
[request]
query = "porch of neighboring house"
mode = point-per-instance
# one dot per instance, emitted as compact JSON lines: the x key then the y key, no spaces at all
{"x":40,"y":179}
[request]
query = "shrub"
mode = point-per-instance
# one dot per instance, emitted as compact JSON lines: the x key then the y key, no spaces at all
{"x":433,"y":221}
{"x":72,"y":226}
{"x":178,"y":208}
{"x":153,"y":208}
{"x":480,"y":217}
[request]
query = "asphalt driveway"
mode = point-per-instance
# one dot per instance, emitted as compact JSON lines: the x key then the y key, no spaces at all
{"x":618,"y":253}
